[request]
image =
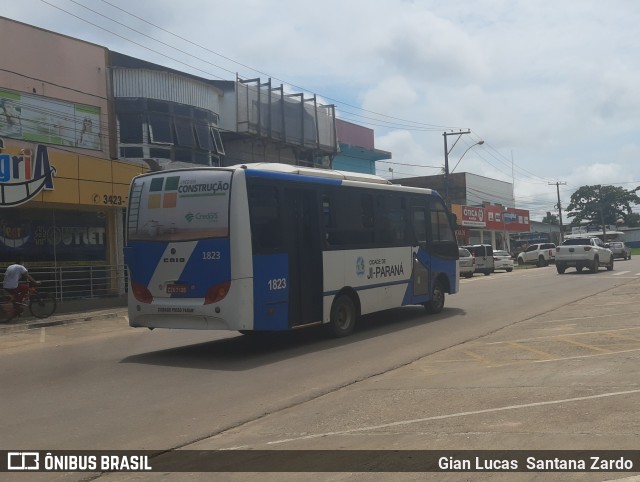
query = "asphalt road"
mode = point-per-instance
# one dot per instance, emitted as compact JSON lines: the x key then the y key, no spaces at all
{"x":103,"y":385}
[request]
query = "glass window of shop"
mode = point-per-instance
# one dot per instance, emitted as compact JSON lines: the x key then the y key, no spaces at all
{"x":52,"y":237}
{"x":475,"y":236}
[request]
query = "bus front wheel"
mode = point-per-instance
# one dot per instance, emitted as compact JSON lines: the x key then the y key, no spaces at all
{"x":437,"y":299}
{"x":343,"y":316}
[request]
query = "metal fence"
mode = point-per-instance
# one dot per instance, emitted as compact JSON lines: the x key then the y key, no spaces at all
{"x":82,"y":282}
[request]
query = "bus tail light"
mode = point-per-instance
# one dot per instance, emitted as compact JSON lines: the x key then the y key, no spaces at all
{"x":141,"y":293}
{"x":217,"y":292}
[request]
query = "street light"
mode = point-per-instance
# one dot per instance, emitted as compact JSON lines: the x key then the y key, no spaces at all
{"x":479,"y":143}
{"x":446,"y":158}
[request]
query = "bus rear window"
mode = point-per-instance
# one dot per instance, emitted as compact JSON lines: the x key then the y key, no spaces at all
{"x":179,"y":205}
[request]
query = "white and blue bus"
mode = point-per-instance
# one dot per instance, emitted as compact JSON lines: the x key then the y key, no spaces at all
{"x":273,"y":247}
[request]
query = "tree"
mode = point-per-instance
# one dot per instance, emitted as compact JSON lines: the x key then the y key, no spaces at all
{"x":632,"y":220}
{"x":550,"y":219}
{"x":601,"y":204}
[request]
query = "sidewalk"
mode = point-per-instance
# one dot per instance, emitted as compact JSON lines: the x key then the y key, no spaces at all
{"x":67,"y":312}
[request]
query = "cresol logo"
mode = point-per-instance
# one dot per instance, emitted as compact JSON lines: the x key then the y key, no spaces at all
{"x":24,"y":176}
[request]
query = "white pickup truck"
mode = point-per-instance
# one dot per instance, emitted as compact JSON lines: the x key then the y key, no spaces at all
{"x":586,"y":252}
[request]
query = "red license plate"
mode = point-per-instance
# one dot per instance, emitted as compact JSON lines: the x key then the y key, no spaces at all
{"x":177,"y":289}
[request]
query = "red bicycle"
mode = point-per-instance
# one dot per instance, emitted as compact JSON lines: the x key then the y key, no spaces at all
{"x":41,"y":305}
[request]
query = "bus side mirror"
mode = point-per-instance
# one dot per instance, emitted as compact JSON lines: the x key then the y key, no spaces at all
{"x":453,"y":219}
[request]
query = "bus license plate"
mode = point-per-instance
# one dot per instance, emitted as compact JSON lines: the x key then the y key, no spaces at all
{"x":174,"y":289}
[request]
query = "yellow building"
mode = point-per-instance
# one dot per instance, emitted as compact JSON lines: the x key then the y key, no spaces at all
{"x":63,"y":192}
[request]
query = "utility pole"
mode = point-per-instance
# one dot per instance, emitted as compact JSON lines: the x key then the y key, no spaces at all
{"x":559,"y":207}
{"x":446,"y":160}
{"x":604,"y":227}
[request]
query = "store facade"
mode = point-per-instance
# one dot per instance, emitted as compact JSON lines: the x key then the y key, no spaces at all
{"x":489,"y":224}
{"x":62,"y":214}
{"x":62,"y":191}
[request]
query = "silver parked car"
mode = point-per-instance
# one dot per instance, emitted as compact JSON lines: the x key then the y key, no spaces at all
{"x":502,"y":260}
{"x":467,"y":263}
{"x":620,"y":250}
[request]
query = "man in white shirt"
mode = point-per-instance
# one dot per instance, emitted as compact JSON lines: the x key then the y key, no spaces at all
{"x":11,"y":282}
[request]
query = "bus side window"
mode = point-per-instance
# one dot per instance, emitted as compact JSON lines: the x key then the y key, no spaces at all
{"x":419,"y":223}
{"x":328,"y":219}
{"x":440,"y":227}
{"x":351,"y":214}
{"x":264,"y":211}
{"x":366,"y":205}
{"x":390,"y":224}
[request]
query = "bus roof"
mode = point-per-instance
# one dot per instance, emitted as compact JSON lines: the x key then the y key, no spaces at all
{"x":313,"y":171}
{"x":343,"y":177}
{"x":346,"y":177}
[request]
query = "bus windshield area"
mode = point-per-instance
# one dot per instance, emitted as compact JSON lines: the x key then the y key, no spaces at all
{"x":179,"y":206}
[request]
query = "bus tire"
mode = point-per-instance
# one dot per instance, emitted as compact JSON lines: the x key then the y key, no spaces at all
{"x":343,"y":316}
{"x":437,"y":299}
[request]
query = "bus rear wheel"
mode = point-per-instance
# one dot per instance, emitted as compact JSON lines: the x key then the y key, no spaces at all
{"x":343,"y":316}
{"x":437,"y":299}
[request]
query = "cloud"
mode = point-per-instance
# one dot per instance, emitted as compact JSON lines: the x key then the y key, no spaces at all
{"x":554,"y":83}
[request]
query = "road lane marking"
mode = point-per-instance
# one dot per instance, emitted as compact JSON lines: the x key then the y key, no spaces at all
{"x":622,"y":337}
{"x":578,"y":357}
{"x":563,"y":335}
{"x":584,"y":345}
{"x":620,"y":273}
{"x":541,"y":353}
{"x":477,"y":357}
{"x":561,"y":320}
{"x":453,"y":415}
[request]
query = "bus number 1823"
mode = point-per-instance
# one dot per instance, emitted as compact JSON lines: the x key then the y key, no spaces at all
{"x":211,"y":255}
{"x":277,"y":284}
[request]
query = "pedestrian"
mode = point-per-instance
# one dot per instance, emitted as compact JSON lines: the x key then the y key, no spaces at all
{"x":11,"y":283}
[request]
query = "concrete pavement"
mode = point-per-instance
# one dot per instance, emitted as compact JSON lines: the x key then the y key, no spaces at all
{"x":563,"y":379}
{"x":70,"y":312}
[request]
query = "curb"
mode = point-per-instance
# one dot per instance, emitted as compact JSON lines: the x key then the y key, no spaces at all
{"x":67,"y":319}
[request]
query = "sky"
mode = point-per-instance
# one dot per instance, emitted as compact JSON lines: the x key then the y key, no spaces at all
{"x":552,"y":88}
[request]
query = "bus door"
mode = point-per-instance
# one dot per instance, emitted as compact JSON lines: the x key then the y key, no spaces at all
{"x":421,"y":268}
{"x":303,"y":246}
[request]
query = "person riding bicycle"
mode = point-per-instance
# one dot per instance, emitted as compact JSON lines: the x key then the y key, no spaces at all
{"x":11,"y":283}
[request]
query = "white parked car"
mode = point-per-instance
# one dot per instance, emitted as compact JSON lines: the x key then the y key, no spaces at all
{"x":540,"y":254}
{"x":483,"y":254}
{"x":502,"y":260}
{"x":467,"y":263}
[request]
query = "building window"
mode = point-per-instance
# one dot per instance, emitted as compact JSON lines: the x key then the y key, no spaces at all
{"x":217,"y":140}
{"x":130,"y":128}
{"x":166,"y":130}
{"x":184,"y":133}
{"x":160,"y":129}
{"x":131,"y":152}
{"x":205,"y":141}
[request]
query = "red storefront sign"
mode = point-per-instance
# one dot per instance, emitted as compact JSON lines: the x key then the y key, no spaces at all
{"x":473,"y":216}
{"x":507,"y":219}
